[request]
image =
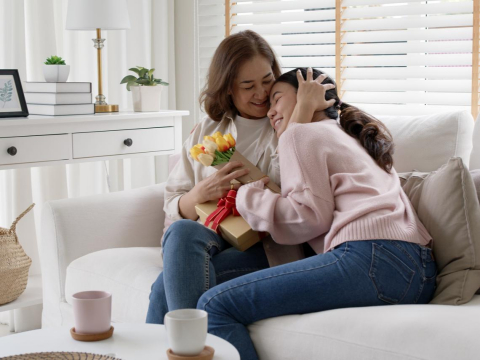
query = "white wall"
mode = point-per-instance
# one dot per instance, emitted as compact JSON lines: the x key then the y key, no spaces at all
{"x":185,"y":62}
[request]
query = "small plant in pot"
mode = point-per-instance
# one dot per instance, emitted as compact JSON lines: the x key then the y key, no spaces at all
{"x":55,"y":69}
{"x":146,"y":92}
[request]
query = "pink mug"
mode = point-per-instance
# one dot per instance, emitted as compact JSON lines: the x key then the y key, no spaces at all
{"x":92,"y":312}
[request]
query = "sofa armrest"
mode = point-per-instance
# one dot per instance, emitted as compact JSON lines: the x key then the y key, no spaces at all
{"x":72,"y":228}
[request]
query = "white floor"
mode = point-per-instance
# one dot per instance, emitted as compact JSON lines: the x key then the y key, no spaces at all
{"x":4,"y":330}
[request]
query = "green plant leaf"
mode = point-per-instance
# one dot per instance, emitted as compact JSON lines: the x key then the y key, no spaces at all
{"x":135,"y":70}
{"x":143,"y":72}
{"x":150,"y":72}
{"x":128,"y":78}
{"x":131,"y":83}
{"x":142,"y":81}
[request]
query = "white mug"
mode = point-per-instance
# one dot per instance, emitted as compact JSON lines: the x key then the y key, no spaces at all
{"x":186,"y":331}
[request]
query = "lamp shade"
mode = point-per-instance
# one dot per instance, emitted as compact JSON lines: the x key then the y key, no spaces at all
{"x":97,"y":14}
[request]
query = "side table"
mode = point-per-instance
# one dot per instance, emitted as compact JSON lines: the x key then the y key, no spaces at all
{"x":129,"y":342}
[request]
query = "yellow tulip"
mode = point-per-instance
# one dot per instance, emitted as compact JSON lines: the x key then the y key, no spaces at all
{"x":217,"y":135}
{"x":205,"y":159}
{"x":208,"y":137}
{"x":230,"y":140}
{"x":195,"y":151}
{"x":222,"y":144}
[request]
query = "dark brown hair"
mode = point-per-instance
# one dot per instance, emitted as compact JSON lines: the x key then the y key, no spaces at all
{"x":232,"y":52}
{"x":371,"y":132}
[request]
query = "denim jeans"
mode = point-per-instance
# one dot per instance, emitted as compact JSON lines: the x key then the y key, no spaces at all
{"x":196,"y":259}
{"x":354,"y":274}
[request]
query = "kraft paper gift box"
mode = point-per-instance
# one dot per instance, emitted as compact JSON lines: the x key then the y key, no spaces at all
{"x":234,"y":229}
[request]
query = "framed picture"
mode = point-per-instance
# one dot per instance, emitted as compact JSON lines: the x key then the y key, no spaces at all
{"x":12,"y":100}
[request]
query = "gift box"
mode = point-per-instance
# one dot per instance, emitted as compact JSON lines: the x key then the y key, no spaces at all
{"x":234,"y":229}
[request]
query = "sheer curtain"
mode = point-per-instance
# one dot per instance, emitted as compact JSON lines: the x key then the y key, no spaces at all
{"x":31,"y":31}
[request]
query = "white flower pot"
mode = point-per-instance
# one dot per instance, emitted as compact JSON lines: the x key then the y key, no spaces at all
{"x":56,"y":73}
{"x":146,"y":98}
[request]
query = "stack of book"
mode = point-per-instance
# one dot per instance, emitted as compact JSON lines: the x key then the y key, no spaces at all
{"x":66,"y":98}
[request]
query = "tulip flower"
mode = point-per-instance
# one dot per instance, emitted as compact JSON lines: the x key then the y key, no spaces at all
{"x":195,"y":151}
{"x":222,"y":144}
{"x":210,"y":146}
{"x":208,"y":137}
{"x":205,"y":159}
{"x":217,"y":135}
{"x":230,"y":139}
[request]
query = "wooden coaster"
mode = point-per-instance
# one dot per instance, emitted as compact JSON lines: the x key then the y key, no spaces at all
{"x":91,"y":337}
{"x":206,"y":354}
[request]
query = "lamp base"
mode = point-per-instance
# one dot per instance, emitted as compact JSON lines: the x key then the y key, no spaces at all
{"x":106,"y":108}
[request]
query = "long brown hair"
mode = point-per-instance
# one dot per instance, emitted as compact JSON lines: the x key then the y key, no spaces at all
{"x":371,"y":132}
{"x":232,"y":52}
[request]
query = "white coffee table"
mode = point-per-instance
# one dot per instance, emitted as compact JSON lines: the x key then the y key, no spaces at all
{"x":129,"y":342}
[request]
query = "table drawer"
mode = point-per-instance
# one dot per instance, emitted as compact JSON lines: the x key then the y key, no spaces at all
{"x":30,"y":149}
{"x":119,"y":142}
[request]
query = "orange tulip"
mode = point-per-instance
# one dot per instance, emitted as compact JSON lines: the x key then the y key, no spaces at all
{"x":196,"y":150}
{"x":222,"y":144}
{"x":230,"y":140}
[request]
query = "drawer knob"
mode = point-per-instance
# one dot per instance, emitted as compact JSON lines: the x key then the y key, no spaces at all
{"x":12,"y":150}
{"x":128,"y":142}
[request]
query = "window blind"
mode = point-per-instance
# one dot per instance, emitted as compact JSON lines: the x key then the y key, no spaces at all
{"x":407,"y":58}
{"x":388,"y":57}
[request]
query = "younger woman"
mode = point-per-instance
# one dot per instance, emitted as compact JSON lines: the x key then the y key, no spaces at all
{"x":342,"y":196}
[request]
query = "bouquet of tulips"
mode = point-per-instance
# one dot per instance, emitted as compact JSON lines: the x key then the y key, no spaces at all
{"x":214,"y":150}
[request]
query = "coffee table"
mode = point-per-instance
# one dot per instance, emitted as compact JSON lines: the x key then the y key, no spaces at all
{"x":129,"y":342}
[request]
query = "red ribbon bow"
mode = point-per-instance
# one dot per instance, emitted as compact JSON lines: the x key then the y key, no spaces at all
{"x":225,"y":207}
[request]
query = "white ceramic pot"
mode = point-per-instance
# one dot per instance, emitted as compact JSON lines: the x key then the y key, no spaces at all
{"x":146,"y":98}
{"x":56,"y":73}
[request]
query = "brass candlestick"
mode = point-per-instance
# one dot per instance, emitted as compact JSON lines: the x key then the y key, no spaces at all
{"x":101,"y":105}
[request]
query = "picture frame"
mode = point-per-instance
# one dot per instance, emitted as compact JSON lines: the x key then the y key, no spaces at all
{"x":12,"y":99}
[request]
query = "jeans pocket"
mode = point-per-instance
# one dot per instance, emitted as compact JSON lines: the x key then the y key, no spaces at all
{"x":390,"y":275}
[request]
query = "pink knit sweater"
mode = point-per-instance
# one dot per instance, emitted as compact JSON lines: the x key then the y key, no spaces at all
{"x":332,"y":192}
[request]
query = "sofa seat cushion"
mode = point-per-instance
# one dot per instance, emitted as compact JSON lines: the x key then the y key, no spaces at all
{"x":393,"y":332}
{"x":127,"y":273}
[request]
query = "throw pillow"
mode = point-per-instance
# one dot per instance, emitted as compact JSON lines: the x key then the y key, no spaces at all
{"x":446,"y":203}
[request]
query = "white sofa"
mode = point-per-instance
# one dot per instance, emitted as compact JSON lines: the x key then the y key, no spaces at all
{"x":111,"y":242}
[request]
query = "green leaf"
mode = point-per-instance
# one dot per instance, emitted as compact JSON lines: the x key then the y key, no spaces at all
{"x":143,"y":72}
{"x":135,"y":70}
{"x":128,"y":78}
{"x":131,"y":83}
{"x":150,"y":72}
{"x":142,"y":81}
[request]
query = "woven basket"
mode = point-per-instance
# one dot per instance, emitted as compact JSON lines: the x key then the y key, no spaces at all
{"x":14,"y":263}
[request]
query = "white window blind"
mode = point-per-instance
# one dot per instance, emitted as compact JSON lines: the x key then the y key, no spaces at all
{"x":407,"y":59}
{"x":393,"y":58}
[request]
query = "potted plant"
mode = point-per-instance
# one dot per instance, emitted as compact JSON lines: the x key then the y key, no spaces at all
{"x":55,"y":69}
{"x":145,"y":90}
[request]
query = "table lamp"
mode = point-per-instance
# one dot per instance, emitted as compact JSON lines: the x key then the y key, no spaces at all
{"x":98,"y":15}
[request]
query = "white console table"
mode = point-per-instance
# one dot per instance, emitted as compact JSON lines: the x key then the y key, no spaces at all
{"x":53,"y":140}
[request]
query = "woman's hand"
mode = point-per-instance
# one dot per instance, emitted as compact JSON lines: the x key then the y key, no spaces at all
{"x":217,"y":185}
{"x":311,"y":94}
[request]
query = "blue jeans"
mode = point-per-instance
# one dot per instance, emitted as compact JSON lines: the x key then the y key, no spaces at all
{"x":196,"y":259}
{"x":354,"y":274}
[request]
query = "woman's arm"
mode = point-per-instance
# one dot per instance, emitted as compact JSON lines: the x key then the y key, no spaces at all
{"x":304,"y":211}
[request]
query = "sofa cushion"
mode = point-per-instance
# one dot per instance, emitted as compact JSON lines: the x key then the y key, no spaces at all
{"x":127,"y":273}
{"x":446,"y":203}
{"x":427,"y":142}
{"x":399,"y":332}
